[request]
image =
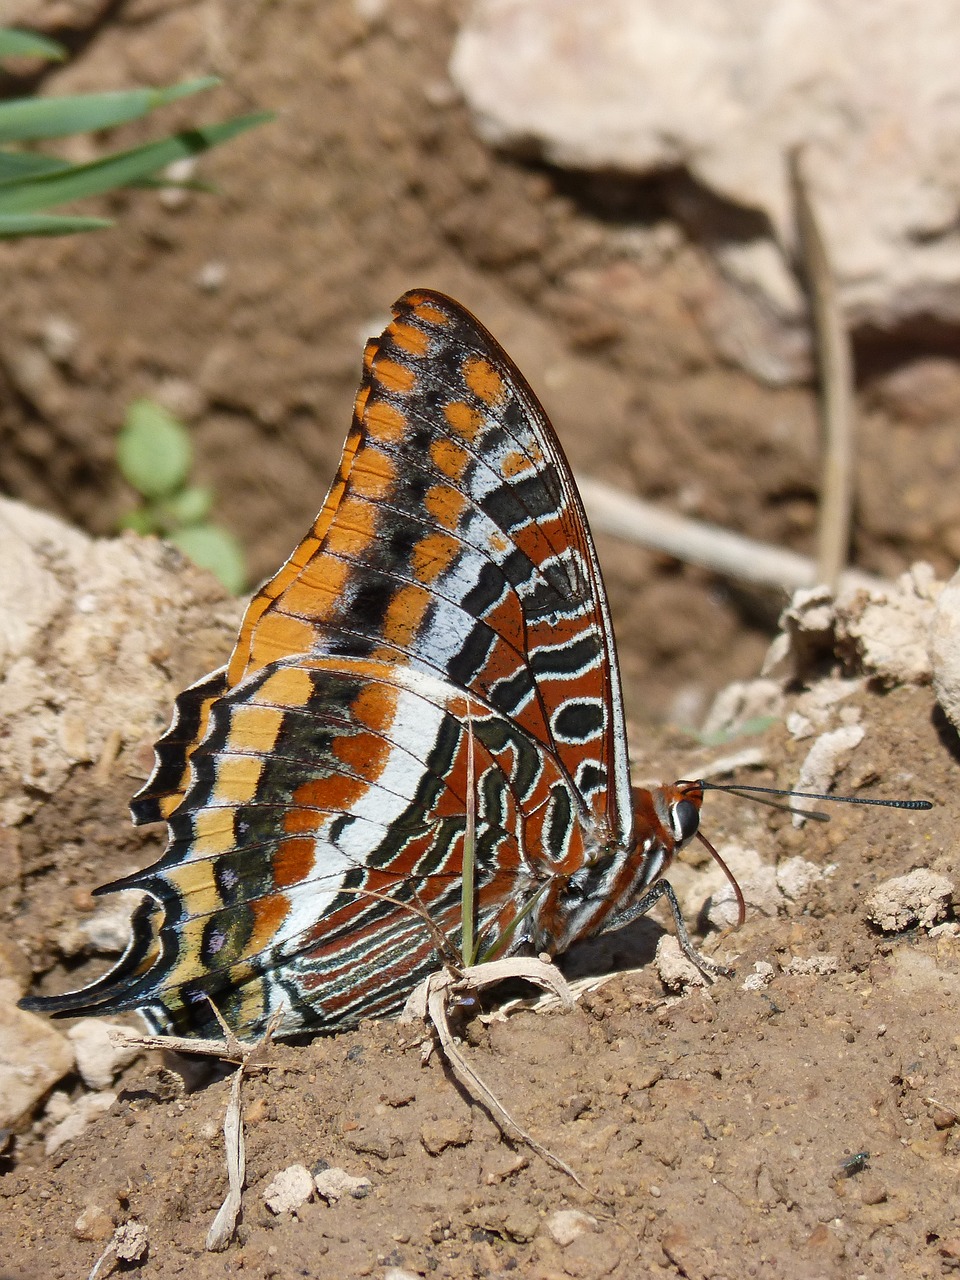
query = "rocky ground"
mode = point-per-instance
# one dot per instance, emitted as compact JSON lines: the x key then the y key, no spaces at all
{"x":715,"y":1131}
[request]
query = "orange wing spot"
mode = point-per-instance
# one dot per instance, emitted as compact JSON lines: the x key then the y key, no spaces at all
{"x":385,"y":422}
{"x":372,"y":474}
{"x":268,"y":915}
{"x":369,"y":355}
{"x":362,"y":752}
{"x":375,"y":706}
{"x":445,"y":505}
{"x":432,"y":555}
{"x":293,"y":862}
{"x":466,"y":421}
{"x":360,"y":400}
{"x":307,"y":548}
{"x":426,"y":310}
{"x":394,"y":376}
{"x":320,"y":796}
{"x":288,"y":687}
{"x":449,"y":458}
{"x":279,"y":637}
{"x":410,"y":338}
{"x":483,"y":379}
{"x":212,"y":832}
{"x":318,"y":586}
{"x":254,"y":728}
{"x":515,"y":464}
{"x":498,"y":542}
{"x":405,"y":615}
{"x":237,"y":779}
{"x":352,"y":532}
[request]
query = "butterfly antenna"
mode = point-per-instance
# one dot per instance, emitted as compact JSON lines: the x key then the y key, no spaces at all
{"x":735,"y":788}
{"x":738,"y":892}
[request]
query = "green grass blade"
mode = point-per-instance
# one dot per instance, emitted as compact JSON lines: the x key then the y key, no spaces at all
{"x":118,"y":170}
{"x":46,"y":224}
{"x":499,"y":946}
{"x":27,"y":119}
{"x":24,"y":44}
{"x":17,"y":165}
{"x":468,"y":881}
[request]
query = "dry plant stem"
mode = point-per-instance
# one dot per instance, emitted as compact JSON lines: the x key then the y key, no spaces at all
{"x":696,"y":542}
{"x":835,"y":369}
{"x":109,"y":1255}
{"x":225,"y":1223}
{"x":230,"y":1049}
{"x":430,"y":1002}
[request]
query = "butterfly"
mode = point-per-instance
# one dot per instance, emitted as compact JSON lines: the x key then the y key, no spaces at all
{"x":436,"y":655}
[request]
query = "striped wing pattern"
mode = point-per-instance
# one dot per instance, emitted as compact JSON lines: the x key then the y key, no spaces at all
{"x":446,"y":604}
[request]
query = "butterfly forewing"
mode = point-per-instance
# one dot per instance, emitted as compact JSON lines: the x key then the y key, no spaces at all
{"x":316,"y":789}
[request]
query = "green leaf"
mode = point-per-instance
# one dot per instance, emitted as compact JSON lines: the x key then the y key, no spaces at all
{"x":27,"y":119}
{"x":188,"y":506}
{"x":215,"y":549}
{"x":153,"y":450}
{"x":140,"y":520}
{"x":24,"y":44}
{"x":113,"y":171}
{"x":17,"y":165}
{"x":47,"y":224}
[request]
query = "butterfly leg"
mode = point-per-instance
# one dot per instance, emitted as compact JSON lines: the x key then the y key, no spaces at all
{"x":664,"y":889}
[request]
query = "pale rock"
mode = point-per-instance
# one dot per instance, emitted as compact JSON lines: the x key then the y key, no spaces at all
{"x":74,"y":669}
{"x":107,"y":930}
{"x":762,"y":976}
{"x":920,"y":898}
{"x":673,"y":968}
{"x":87,"y":1108}
{"x":821,"y":702}
{"x":449,"y":1131}
{"x":757,"y":881}
{"x":131,"y":1241}
{"x":563,"y":1226}
{"x":879,"y":630}
{"x":796,"y":876}
{"x":33,"y":1057}
{"x":333,"y":1184}
{"x":806,"y":634}
{"x":812,"y":966}
{"x":94,"y":1223}
{"x":889,"y":630}
{"x":727,"y":92}
{"x":740,"y":703}
{"x":100,"y":1052}
{"x":289,"y":1189}
{"x":828,"y":755}
{"x":799,"y":726}
{"x":944,"y":645}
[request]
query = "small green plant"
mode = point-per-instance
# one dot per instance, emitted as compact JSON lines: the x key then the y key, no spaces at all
{"x":31,"y":182}
{"x":155,"y":456}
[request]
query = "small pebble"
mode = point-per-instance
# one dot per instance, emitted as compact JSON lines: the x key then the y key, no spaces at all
{"x":565,"y":1225}
{"x":922,"y":898}
{"x":289,"y":1189}
{"x":333,"y":1184}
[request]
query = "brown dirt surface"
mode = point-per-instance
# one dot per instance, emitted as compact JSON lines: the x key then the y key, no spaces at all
{"x":711,"y":1131}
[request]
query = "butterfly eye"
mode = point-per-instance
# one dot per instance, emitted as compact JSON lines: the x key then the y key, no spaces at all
{"x":686,"y":820}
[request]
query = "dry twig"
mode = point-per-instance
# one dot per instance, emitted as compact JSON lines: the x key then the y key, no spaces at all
{"x":835,"y":370}
{"x":430,"y":1002}
{"x":696,"y":542}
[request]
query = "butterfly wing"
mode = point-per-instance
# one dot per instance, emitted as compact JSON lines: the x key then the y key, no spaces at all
{"x":446,"y":603}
